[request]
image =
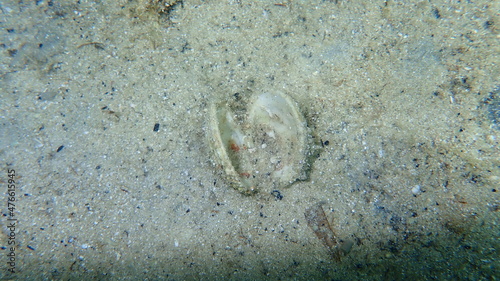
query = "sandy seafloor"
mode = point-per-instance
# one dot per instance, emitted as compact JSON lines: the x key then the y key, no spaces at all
{"x":404,"y":96}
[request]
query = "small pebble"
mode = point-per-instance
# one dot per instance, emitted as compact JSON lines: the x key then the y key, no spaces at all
{"x":416,"y":190}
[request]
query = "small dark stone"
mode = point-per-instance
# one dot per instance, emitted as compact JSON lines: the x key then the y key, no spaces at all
{"x":493,"y":107}
{"x":326,"y":143}
{"x":156,"y":128}
{"x":436,"y":13}
{"x":12,"y":52}
{"x":60,"y":148}
{"x":277,"y":194}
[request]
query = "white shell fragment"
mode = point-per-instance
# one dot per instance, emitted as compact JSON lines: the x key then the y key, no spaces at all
{"x":260,"y":141}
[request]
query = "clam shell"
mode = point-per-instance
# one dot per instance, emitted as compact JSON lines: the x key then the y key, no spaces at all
{"x":260,"y":141}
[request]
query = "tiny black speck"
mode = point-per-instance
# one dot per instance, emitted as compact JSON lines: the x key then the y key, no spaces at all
{"x":60,"y":148}
{"x":326,"y":143}
{"x":157,"y":127}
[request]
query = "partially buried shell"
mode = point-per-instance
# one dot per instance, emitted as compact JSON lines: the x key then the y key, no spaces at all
{"x":261,"y":141}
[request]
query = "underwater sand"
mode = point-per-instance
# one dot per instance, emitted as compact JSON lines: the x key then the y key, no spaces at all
{"x":104,"y":114}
